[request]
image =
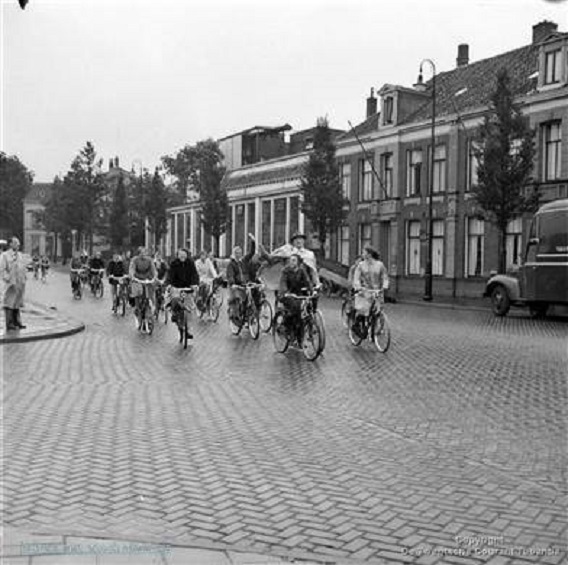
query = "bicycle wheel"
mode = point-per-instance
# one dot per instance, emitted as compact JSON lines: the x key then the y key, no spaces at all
{"x":381,"y":332}
{"x":185,"y":331}
{"x":318,"y":318}
{"x":355,"y":338}
{"x":345,"y":311}
{"x":149,"y":322}
{"x":99,"y":290}
{"x":253,"y":322}
{"x":311,"y":340}
{"x":77,"y":291}
{"x":214,"y":307}
{"x":265,"y":316}
{"x":280,"y":336}
{"x":236,"y":322}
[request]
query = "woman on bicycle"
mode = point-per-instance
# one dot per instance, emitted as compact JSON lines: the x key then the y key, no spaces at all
{"x":207,"y":273}
{"x":294,"y":280}
{"x":115,"y":270}
{"x":182,"y":274}
{"x":142,"y":268}
{"x":370,"y":274}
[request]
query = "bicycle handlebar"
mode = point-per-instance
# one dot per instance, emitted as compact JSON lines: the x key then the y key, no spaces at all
{"x":300,"y":296}
{"x":140,"y":281}
{"x":121,"y":278}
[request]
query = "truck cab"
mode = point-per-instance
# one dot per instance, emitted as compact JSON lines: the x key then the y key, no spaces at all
{"x":542,"y":278}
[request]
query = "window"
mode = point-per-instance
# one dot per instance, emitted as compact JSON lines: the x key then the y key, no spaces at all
{"x":513,"y":243}
{"x":366,"y":181}
{"x":345,"y":174}
{"x":279,"y":222}
{"x":309,"y":144}
{"x":553,"y":237}
{"x":552,"y":67}
{"x":386,"y":169}
{"x":474,"y":251}
{"x":413,"y":172}
{"x":472,"y":164}
{"x":388,"y":110}
{"x":294,"y":213}
{"x":343,"y":245}
{"x":439,"y":169}
{"x":266,"y":223}
{"x":552,"y":146}
{"x":438,"y":247}
{"x":413,"y":248}
{"x":364,"y":236}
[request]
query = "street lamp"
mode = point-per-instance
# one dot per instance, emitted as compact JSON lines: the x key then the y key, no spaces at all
{"x":428,"y":279}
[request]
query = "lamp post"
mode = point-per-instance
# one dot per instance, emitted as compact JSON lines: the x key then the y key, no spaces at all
{"x":428,"y":275}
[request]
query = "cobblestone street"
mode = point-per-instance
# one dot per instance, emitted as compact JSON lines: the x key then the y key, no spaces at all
{"x":457,"y":433}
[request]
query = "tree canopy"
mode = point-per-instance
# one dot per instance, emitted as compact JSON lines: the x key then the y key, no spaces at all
{"x":15,"y":181}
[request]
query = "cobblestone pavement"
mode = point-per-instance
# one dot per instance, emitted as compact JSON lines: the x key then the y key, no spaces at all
{"x":450,"y":448}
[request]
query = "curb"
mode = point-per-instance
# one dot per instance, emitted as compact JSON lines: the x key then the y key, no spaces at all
{"x":446,"y":305}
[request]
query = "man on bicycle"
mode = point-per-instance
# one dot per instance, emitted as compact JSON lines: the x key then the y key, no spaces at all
{"x":207,"y":274}
{"x":142,"y":268}
{"x":294,"y":280}
{"x":44,"y":264}
{"x":96,"y":263}
{"x":369,"y":274}
{"x":238,"y":274}
{"x":115,"y":270}
{"x":182,"y":274}
{"x":76,"y":267}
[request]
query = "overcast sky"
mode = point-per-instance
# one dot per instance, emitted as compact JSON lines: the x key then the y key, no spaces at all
{"x":141,"y":78}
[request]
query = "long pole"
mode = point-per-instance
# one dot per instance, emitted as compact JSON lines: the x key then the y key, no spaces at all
{"x":429,"y":277}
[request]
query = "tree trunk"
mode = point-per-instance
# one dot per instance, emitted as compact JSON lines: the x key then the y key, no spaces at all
{"x":503,"y":250}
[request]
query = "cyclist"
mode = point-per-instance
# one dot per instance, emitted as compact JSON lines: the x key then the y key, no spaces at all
{"x":96,"y":263}
{"x":44,"y":265}
{"x":294,"y":280}
{"x":35,"y":265}
{"x":116,"y":269}
{"x":76,"y":266}
{"x":182,"y":274}
{"x":238,"y":274}
{"x":371,"y":274}
{"x":207,"y":273}
{"x":142,"y":268}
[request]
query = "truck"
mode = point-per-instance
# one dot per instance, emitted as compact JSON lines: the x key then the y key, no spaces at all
{"x":541,"y":280}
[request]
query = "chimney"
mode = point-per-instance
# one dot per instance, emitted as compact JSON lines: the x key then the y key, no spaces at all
{"x":116,"y":162}
{"x":463,"y":55}
{"x":542,"y":30}
{"x":371,"y":104}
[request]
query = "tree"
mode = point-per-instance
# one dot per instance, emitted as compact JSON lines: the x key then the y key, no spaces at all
{"x":15,"y":181}
{"x":323,"y":201}
{"x":199,"y":167}
{"x":118,"y":224}
{"x":505,"y":152}
{"x":155,"y":204}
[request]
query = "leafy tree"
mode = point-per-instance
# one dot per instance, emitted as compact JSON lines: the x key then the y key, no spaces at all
{"x":118,"y":224}
{"x":15,"y":181}
{"x":505,"y":152}
{"x":199,"y":167}
{"x":321,"y":188}
{"x":155,"y":204}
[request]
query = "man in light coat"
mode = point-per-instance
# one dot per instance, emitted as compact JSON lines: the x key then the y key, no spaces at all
{"x":13,"y":274}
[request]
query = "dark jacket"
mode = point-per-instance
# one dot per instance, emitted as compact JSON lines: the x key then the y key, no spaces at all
{"x":245,"y":270}
{"x":295,"y":281}
{"x":183,"y":274}
{"x":96,"y":263}
{"x":161,"y":269}
{"x":116,"y":269}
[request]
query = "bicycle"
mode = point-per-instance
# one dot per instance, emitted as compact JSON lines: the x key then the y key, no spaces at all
{"x":187,"y":305}
{"x":160,"y":300}
{"x":97,"y":287}
{"x":121,"y":294}
{"x":375,"y":326}
{"x":36,"y":270}
{"x":212,"y":302}
{"x":44,"y":271}
{"x":143,"y":314}
{"x":76,"y":286}
{"x":307,"y":336}
{"x":84,"y":276}
{"x":247,"y":312}
{"x":265,"y":312}
{"x":346,"y":308}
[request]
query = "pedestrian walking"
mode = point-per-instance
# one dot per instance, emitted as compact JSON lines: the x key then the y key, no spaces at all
{"x":13,"y":274}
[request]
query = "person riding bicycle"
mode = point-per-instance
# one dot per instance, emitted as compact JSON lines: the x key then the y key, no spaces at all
{"x":96,"y":263}
{"x":370,"y":274}
{"x":115,"y":269}
{"x":207,"y":274}
{"x":182,"y":274}
{"x":35,"y":264}
{"x":44,"y":265}
{"x":76,"y":267}
{"x":238,"y":274}
{"x":142,"y":268}
{"x":294,"y":280}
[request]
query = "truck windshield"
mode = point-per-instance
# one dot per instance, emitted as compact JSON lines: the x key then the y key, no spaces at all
{"x":553,"y":236}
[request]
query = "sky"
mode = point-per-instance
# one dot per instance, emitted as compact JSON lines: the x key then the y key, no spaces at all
{"x":143,"y":78}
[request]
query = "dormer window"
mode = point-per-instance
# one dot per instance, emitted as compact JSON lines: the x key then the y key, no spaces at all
{"x":552,"y":67}
{"x":388,"y":110}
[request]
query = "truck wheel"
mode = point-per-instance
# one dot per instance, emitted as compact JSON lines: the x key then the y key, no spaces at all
{"x":500,"y":302}
{"x":538,"y":310}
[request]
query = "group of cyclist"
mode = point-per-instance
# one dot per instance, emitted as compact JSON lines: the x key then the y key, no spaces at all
{"x":40,"y":265}
{"x":299,"y":277}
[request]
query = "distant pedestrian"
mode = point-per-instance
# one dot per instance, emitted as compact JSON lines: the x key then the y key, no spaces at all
{"x":13,"y":274}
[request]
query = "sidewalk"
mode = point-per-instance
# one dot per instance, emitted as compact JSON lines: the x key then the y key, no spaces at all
{"x":23,"y":548}
{"x":41,"y":323}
